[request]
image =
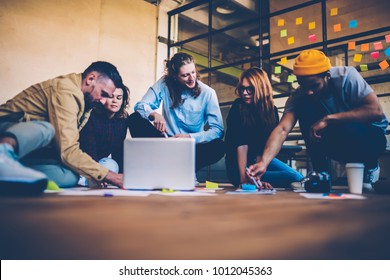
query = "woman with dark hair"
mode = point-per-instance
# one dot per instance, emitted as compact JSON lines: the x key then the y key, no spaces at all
{"x":190,"y":109}
{"x":250,"y":121}
{"x":105,"y":131}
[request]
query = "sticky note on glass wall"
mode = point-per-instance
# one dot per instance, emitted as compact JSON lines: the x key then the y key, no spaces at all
{"x":384,"y":64}
{"x":290,"y":40}
{"x":365,"y":47}
{"x":353,"y":23}
{"x":312,"y":38}
{"x":375,"y":54}
{"x":387,"y":51}
{"x":363,"y":67}
{"x":283,"y":33}
{"x":378,"y":46}
{"x":351,"y":46}
{"x":357,"y":57}
{"x":387,"y":38}
{"x":312,"y":25}
{"x":278,"y":69}
{"x":283,"y":60}
{"x":298,"y":20}
{"x":280,"y":22}
{"x":337,"y":27}
{"x":291,"y":78}
{"x":334,"y":12}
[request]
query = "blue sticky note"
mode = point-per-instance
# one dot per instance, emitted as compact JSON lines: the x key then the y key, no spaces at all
{"x":387,"y":51}
{"x":353,"y":23}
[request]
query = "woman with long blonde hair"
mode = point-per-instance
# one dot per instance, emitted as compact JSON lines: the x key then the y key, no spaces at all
{"x":250,"y":121}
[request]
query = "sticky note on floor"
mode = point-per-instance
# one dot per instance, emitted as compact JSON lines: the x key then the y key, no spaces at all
{"x":291,"y":78}
{"x":290,"y":40}
{"x":364,"y":67}
{"x":334,"y":12}
{"x":312,"y":25}
{"x":280,"y":22}
{"x":283,"y":60}
{"x":312,"y":38}
{"x":365,"y":47}
{"x":384,"y":64}
{"x":387,"y":51}
{"x":337,"y":27}
{"x":357,"y":57}
{"x":351,"y":46}
{"x":387,"y":38}
{"x":353,"y":23}
{"x":283,"y":33}
{"x":298,"y":20}
{"x":378,"y":46}
{"x":211,"y":185}
{"x":375,"y":54}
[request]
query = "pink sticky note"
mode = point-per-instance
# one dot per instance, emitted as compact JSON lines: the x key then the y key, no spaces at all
{"x":337,"y":27}
{"x":375,"y":54}
{"x":378,"y":46}
{"x":384,"y":64}
{"x":365,"y":47}
{"x":312,"y":38}
{"x":351,"y":46}
{"x":387,"y":38}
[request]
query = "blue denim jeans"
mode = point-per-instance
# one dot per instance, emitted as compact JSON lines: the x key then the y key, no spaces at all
{"x":278,"y":174}
{"x":33,"y":139}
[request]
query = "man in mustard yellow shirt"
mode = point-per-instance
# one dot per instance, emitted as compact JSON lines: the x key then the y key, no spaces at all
{"x":48,"y":117}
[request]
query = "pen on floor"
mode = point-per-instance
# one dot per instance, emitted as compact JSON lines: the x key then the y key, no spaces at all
{"x":257,"y":184}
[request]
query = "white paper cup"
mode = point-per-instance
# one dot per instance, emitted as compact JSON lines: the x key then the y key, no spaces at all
{"x":355,"y":173}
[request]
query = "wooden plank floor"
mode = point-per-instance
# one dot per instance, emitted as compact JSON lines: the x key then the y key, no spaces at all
{"x":281,"y":226}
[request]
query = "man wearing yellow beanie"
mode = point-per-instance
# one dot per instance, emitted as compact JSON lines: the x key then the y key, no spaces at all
{"x":339,"y":116}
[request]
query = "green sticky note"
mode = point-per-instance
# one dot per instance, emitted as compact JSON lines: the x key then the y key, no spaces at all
{"x":278,"y":69}
{"x":211,"y":185}
{"x":291,"y":78}
{"x":167,"y":191}
{"x":283,"y":33}
{"x":52,"y":186}
{"x":364,"y":67}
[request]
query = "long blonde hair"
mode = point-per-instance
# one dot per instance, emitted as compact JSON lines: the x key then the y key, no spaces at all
{"x":262,"y":108}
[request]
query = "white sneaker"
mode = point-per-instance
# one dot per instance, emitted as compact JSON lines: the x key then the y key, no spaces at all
{"x":370,"y":177}
{"x":16,"y":179}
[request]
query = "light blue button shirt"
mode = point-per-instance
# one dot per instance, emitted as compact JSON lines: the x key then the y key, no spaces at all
{"x":189,"y":117}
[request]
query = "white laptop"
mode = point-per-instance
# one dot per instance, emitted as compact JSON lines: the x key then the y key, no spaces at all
{"x":159,"y":163}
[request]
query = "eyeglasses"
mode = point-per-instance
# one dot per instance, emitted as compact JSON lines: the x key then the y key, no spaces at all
{"x":249,"y":90}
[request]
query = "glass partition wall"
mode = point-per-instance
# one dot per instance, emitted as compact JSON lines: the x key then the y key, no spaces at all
{"x":228,"y":36}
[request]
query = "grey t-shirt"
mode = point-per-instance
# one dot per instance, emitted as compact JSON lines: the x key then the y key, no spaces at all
{"x":350,"y":89}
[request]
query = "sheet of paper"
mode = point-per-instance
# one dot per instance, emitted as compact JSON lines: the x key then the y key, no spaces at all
{"x":264,"y":191}
{"x":337,"y":196}
{"x":186,"y":193}
{"x":102,"y":192}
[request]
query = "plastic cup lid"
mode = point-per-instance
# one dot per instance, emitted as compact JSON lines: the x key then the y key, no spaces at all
{"x":354,"y":164}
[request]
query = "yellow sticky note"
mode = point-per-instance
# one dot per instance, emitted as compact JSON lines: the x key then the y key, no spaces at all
{"x":384,"y":64}
{"x":211,"y":185}
{"x":283,"y":33}
{"x":278,"y":69}
{"x":298,"y":20}
{"x":365,"y":47}
{"x":351,"y":46}
{"x":312,"y":25}
{"x":364,"y":67}
{"x":283,"y":60}
{"x":334,"y":12}
{"x":337,"y":27}
{"x":167,"y":191}
{"x":291,"y":78}
{"x":290,"y":40}
{"x":357,"y":57}
{"x":280,"y":22}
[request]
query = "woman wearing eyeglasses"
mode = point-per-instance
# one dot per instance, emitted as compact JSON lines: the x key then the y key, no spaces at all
{"x":250,"y":121}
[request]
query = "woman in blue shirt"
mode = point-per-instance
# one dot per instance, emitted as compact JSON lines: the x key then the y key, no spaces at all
{"x":251,"y":119}
{"x":190,"y":109}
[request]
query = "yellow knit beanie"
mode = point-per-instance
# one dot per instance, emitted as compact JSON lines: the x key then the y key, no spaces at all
{"x":311,"y":62}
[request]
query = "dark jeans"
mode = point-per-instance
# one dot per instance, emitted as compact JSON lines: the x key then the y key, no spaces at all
{"x":205,"y":153}
{"x":343,"y":142}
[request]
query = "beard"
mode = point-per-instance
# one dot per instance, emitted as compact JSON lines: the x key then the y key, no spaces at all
{"x":89,"y":102}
